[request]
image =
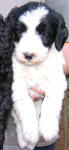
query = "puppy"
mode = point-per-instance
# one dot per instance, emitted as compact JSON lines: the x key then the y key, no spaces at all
{"x":36,"y":35}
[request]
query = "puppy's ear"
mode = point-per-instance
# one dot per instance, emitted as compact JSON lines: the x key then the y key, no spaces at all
{"x":10,"y":22}
{"x":11,"y":18}
{"x":62,"y":32}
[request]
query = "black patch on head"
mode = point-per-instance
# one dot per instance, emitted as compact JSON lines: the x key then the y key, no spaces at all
{"x":45,"y":30}
{"x":52,"y":29}
{"x":19,"y":29}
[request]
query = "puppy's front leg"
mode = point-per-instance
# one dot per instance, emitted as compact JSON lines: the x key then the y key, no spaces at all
{"x":50,"y":115}
{"x":24,"y":107}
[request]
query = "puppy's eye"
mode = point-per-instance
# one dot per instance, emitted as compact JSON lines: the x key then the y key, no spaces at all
{"x":41,"y":28}
{"x":19,"y":29}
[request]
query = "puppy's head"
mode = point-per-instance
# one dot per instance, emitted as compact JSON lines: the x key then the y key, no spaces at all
{"x":34,"y":28}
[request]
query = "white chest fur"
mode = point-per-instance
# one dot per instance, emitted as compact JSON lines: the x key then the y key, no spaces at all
{"x":41,"y":75}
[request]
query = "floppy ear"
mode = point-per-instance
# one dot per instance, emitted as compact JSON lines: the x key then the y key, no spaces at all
{"x":11,"y":18}
{"x":62,"y":33}
{"x":10,"y":22}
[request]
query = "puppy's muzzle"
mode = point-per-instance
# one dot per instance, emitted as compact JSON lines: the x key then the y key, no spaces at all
{"x":28,"y":56}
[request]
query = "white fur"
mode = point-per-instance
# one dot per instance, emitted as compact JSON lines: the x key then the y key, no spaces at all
{"x":41,"y":118}
{"x":48,"y":78}
{"x":32,"y":18}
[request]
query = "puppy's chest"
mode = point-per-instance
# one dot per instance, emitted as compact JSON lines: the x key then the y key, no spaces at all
{"x":30,"y":75}
{"x":35,"y":75}
{"x":43,"y":75}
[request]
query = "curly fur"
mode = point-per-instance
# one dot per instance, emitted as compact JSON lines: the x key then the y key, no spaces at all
{"x":30,"y":56}
{"x":5,"y":81}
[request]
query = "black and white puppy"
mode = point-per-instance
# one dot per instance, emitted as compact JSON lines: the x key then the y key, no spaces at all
{"x":36,"y":34}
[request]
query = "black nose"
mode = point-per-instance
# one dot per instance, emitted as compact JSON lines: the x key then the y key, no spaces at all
{"x":28,"y":56}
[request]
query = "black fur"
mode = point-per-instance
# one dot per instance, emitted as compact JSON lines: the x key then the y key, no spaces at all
{"x":51,"y":29}
{"x":5,"y":81}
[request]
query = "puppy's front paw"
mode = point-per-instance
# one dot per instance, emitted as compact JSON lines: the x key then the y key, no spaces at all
{"x":21,"y":141}
{"x":20,"y":138}
{"x":31,"y":132}
{"x":49,"y":128}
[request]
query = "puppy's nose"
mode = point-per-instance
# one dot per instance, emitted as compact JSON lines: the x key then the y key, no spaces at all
{"x":28,"y":56}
